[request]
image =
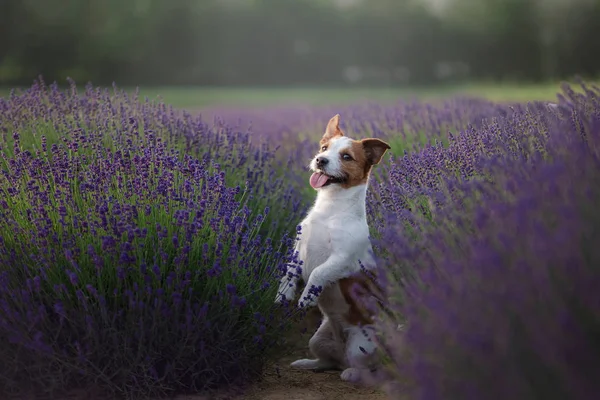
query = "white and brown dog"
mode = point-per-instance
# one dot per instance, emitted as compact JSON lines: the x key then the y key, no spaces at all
{"x":334,"y":247}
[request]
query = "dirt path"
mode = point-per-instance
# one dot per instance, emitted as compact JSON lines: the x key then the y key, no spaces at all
{"x":280,"y":382}
{"x":288,"y":384}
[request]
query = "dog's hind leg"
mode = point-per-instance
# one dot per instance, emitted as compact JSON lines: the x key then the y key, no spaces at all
{"x":328,"y":351}
{"x":361,"y":353}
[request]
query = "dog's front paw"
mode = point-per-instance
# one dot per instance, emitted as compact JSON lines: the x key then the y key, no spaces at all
{"x":287,"y":291}
{"x":307,"y":303}
{"x":309,"y":298}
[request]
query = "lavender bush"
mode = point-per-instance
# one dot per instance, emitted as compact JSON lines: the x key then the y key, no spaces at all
{"x":491,"y":258}
{"x":138,"y":249}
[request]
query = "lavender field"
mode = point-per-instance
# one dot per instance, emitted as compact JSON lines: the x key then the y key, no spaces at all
{"x":140,"y":245}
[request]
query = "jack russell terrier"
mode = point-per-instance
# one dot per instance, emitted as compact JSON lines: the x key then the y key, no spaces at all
{"x":335,"y":253}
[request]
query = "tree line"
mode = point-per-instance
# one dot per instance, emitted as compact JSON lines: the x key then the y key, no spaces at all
{"x":297,"y":42}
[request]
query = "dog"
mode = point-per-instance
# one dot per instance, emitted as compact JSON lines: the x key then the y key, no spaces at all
{"x":334,"y":250}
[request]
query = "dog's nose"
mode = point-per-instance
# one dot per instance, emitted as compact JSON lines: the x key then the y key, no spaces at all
{"x":321,"y":162}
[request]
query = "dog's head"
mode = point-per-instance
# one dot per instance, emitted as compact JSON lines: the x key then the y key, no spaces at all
{"x":343,"y":162}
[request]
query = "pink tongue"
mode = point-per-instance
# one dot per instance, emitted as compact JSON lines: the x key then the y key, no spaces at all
{"x":317,"y":180}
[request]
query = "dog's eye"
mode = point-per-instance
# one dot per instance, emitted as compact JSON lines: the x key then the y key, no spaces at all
{"x":346,"y":157}
{"x":323,"y":148}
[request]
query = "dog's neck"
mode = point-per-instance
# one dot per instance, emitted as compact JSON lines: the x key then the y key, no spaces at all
{"x":333,"y":200}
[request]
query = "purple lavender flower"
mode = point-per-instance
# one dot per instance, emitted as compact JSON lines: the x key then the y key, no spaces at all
{"x":121,"y":224}
{"x":495,"y":284}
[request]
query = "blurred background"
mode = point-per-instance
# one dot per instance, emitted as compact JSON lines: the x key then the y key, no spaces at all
{"x":385,"y":45}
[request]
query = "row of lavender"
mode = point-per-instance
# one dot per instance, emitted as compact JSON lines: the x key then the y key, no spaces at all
{"x":490,"y":250}
{"x":138,"y":245}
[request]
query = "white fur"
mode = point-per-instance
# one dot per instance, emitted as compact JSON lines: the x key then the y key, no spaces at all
{"x":333,"y":243}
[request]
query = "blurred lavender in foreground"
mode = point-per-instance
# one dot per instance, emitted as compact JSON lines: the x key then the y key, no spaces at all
{"x":491,"y":256}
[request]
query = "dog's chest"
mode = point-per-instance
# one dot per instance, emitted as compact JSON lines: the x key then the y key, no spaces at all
{"x":314,"y":246}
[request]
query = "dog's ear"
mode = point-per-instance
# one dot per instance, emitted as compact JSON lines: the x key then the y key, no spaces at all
{"x":374,"y":149}
{"x":333,"y":129}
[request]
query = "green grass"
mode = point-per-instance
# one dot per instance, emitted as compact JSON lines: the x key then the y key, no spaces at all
{"x":193,"y":97}
{"x":200,"y":97}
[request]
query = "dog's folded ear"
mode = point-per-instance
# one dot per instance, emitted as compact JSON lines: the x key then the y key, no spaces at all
{"x":374,"y":149}
{"x":333,"y":129}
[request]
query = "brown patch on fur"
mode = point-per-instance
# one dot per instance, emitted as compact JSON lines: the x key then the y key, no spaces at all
{"x":365,"y":287}
{"x":365,"y":153}
{"x":374,"y":149}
